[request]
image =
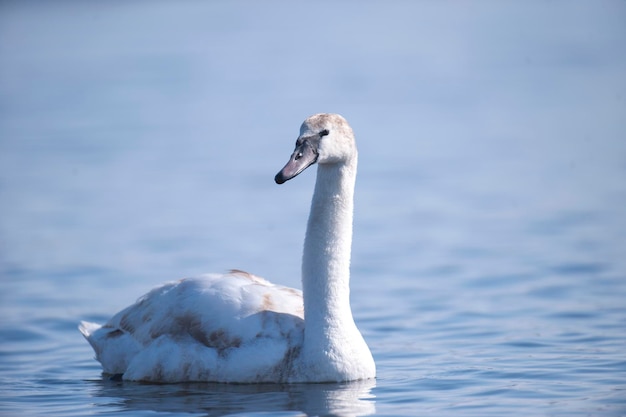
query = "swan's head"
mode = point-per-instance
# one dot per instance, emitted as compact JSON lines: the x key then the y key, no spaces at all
{"x":324,"y":138}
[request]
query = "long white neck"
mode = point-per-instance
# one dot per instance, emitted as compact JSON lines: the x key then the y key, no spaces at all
{"x":326,"y":258}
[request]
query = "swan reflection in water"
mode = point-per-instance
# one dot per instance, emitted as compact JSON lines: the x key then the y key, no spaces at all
{"x":215,"y":399}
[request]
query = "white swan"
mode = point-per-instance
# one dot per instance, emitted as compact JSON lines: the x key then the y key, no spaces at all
{"x":240,"y":328}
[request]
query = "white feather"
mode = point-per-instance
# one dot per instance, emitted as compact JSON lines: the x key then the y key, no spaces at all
{"x":241,"y":328}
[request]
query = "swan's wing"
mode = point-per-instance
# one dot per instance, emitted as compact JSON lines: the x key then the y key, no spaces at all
{"x":214,"y":327}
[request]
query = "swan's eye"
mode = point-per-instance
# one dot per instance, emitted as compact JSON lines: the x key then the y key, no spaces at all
{"x":324,"y":132}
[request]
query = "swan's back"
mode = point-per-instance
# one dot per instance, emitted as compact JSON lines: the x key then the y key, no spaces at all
{"x":230,"y":328}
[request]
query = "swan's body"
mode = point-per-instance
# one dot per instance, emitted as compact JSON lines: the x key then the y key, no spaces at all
{"x":241,"y":328}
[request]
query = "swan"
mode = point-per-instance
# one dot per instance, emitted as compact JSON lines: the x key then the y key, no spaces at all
{"x":240,"y":328}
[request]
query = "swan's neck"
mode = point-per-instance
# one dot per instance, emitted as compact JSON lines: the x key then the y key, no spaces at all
{"x":326,"y":258}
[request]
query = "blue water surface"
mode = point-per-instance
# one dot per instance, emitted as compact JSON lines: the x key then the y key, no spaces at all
{"x":139,"y":141}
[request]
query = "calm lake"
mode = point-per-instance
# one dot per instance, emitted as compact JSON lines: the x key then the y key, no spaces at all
{"x":139,"y":142}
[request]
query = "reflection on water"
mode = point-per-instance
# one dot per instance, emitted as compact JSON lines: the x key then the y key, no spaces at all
{"x":344,"y":399}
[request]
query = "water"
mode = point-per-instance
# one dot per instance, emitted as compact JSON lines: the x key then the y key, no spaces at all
{"x":139,"y":140}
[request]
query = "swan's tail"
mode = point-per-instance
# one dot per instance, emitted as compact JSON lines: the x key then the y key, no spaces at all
{"x":114,"y":347}
{"x":87,"y":328}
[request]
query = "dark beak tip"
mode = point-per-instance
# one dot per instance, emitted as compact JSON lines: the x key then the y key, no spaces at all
{"x":279,"y":179}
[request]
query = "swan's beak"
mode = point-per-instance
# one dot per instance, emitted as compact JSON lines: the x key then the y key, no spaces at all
{"x":303,"y":157}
